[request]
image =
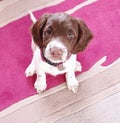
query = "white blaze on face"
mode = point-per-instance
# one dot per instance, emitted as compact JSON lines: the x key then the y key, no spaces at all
{"x":56,"y":43}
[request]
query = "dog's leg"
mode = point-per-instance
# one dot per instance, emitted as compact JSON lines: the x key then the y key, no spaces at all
{"x":72,"y":82}
{"x":40,"y":83}
{"x":30,"y":70}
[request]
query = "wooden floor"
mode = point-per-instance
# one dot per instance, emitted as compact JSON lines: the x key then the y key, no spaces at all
{"x":97,"y":100}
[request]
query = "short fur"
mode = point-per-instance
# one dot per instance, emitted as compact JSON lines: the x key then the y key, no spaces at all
{"x":59,"y":37}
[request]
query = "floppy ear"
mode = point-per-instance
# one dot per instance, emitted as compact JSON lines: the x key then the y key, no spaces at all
{"x":37,"y":30}
{"x":84,"y":37}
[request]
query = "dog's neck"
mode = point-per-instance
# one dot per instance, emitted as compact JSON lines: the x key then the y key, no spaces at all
{"x":58,"y":65}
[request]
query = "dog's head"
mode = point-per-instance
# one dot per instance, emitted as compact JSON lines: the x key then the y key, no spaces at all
{"x":60,"y":35}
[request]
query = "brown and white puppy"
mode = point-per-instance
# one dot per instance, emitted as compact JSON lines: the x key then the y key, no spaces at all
{"x":57,"y":38}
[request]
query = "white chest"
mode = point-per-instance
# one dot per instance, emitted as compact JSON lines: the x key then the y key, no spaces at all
{"x":43,"y":66}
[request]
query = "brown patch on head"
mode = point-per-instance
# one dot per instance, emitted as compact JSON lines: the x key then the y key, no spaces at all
{"x":37,"y":30}
{"x":84,"y":37}
{"x":72,"y":32}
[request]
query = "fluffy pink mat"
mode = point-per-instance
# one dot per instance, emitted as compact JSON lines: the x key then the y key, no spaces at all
{"x":102,"y":17}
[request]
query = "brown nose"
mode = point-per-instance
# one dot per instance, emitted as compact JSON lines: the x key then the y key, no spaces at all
{"x":56,"y":52}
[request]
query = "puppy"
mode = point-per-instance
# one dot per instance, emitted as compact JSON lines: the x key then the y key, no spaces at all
{"x":56,"y":39}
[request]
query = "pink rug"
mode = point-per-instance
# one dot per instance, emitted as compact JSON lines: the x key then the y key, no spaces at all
{"x":102,"y":17}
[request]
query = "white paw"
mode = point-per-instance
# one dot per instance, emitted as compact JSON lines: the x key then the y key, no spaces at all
{"x":40,"y":86}
{"x":73,"y":85}
{"x":78,"y":67}
{"x":30,"y":71}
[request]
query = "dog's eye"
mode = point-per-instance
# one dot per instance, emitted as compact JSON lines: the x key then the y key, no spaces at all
{"x":70,"y":35}
{"x":48,"y":31}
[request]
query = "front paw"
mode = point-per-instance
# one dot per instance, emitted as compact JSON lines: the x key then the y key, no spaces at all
{"x":40,"y":86}
{"x":30,"y":71}
{"x":73,"y":85}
